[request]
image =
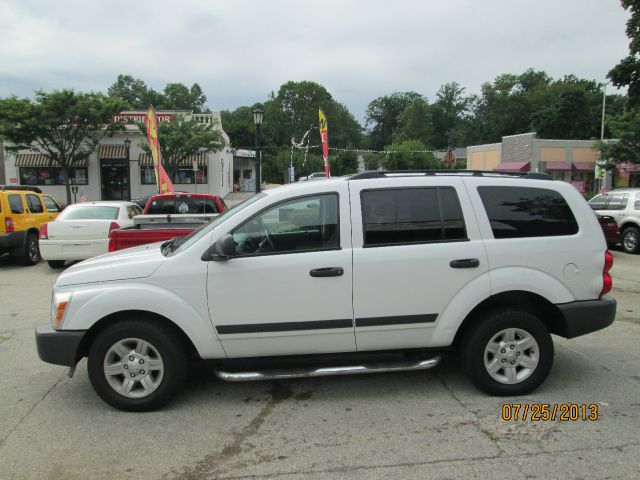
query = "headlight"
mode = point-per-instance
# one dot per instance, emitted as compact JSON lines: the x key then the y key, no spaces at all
{"x":59,"y":306}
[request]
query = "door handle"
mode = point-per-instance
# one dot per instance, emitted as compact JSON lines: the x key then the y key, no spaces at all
{"x":327,"y":272}
{"x":465,"y":263}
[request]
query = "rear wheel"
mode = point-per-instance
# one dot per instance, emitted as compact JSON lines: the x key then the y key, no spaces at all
{"x":507,"y":352}
{"x":31,"y":254}
{"x":631,"y":240}
{"x":137,"y":365}
{"x":56,"y":263}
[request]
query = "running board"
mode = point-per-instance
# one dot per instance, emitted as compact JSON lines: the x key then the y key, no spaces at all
{"x":281,"y":374}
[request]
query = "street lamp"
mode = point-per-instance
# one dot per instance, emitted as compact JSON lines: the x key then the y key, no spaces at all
{"x":127,"y":146}
{"x":258,"y":115}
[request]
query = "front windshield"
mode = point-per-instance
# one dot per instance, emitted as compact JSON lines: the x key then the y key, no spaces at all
{"x":180,"y":244}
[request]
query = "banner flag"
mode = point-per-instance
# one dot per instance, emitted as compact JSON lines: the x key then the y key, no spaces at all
{"x":162,"y":179}
{"x":324,"y":138}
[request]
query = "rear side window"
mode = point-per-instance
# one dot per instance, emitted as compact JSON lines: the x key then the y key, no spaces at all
{"x":51,"y":204}
{"x":617,"y":201}
{"x":411,"y":215}
{"x":516,"y":212}
{"x":599,"y":202}
{"x":34,"y":203}
{"x":15,"y":203}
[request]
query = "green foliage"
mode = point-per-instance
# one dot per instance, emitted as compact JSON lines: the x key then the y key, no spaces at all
{"x":63,"y":124}
{"x":450,"y":114}
{"x":383,"y":117}
{"x":415,"y":122}
{"x":176,"y":96}
{"x":627,"y":72}
{"x":181,"y":138}
{"x":238,"y":124}
{"x":400,"y":157}
{"x":626,"y":129}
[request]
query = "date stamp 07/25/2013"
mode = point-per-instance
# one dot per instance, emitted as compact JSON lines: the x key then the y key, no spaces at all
{"x":542,"y":412}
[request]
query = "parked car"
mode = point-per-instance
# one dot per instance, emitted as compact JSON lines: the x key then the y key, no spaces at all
{"x":182,"y":203}
{"x":372,"y":273}
{"x":624,"y":205}
{"x":23,"y":211}
{"x":81,"y":231}
{"x":610,"y":229}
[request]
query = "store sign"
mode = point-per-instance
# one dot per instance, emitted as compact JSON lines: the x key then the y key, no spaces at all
{"x":599,"y":171}
{"x":133,"y":118}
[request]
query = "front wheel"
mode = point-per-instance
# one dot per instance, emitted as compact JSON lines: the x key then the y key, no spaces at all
{"x":137,"y":365}
{"x":631,"y":240}
{"x":507,"y":352}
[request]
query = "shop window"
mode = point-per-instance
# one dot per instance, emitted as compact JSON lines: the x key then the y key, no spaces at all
{"x":52,"y":176}
{"x":182,"y":176}
{"x":147,"y":176}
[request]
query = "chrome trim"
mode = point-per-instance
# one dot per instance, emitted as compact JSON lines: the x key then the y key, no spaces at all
{"x":281,"y":374}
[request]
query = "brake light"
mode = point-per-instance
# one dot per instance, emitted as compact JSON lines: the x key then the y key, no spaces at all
{"x":8,"y":225}
{"x":607,"y":281}
{"x":112,"y":244}
{"x":44,"y":233}
{"x":113,"y":226}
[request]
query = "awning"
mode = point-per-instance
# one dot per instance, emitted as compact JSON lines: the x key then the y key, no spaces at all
{"x":513,"y":167}
{"x":557,"y":167}
{"x":145,"y":160}
{"x":112,"y":151}
{"x":584,"y":167}
{"x":40,"y":160}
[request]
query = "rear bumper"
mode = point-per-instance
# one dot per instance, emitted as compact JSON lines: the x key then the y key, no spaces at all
{"x":580,"y":318}
{"x":72,"y":249}
{"x":11,"y":241}
{"x":60,"y":347}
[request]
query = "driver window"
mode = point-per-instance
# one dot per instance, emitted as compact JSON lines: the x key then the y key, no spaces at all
{"x":303,"y":224}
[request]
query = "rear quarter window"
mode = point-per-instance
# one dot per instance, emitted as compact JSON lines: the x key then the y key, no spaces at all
{"x":517,"y":212}
{"x":15,"y":203}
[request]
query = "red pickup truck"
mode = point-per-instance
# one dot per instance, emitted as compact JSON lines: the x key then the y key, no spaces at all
{"x":167,"y":216}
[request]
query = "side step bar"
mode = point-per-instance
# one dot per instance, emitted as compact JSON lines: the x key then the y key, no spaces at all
{"x":281,"y":374}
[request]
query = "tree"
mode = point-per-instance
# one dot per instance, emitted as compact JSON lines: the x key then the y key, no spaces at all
{"x":64,"y":125}
{"x":383,"y":117}
{"x":450,"y":109}
{"x":181,"y":138}
{"x":627,"y":72}
{"x":626,"y":129}
{"x":415,"y":122}
{"x":176,"y":96}
{"x":405,"y":156}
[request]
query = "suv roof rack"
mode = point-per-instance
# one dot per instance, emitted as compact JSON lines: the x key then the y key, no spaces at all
{"x":22,"y":188}
{"x":471,"y":173}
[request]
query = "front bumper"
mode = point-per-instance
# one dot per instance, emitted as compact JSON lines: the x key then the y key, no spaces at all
{"x":60,"y":347}
{"x":580,"y":318}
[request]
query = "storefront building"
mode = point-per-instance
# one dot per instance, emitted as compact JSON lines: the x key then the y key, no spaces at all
{"x":573,"y":161}
{"x":119,"y":169}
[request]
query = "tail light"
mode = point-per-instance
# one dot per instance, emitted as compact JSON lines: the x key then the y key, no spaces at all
{"x":44,"y":233}
{"x":8,"y":225}
{"x":112,"y":241}
{"x":607,"y":282}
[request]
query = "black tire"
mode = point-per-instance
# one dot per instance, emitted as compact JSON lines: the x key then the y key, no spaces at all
{"x":631,"y":240}
{"x":56,"y":264}
{"x":170,"y":349}
{"x":31,"y":254}
{"x":477,"y":338}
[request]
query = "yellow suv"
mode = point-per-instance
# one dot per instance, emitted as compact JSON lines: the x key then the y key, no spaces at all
{"x":23,"y":211}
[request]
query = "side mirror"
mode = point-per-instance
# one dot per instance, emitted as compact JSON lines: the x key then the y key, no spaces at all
{"x":223,"y":249}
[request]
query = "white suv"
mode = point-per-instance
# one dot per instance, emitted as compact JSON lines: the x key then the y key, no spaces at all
{"x":374,"y":272}
{"x":624,"y":205}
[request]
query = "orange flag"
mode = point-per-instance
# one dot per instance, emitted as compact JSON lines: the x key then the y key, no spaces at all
{"x":162,"y":179}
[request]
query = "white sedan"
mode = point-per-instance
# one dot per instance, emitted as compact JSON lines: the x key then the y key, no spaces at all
{"x":82,"y":230}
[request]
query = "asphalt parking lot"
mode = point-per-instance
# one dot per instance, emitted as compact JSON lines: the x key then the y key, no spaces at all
{"x":417,"y":425}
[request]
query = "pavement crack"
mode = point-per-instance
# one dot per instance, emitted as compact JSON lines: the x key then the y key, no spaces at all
{"x":211,"y":465}
{"x":476,"y":421}
{"x":33,"y":407}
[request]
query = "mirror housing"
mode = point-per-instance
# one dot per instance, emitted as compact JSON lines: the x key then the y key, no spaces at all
{"x":223,"y":249}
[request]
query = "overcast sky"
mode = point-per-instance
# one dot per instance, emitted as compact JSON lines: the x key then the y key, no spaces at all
{"x":240,"y":50}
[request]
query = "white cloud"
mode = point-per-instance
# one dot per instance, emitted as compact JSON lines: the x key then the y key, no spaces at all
{"x":241,"y":50}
